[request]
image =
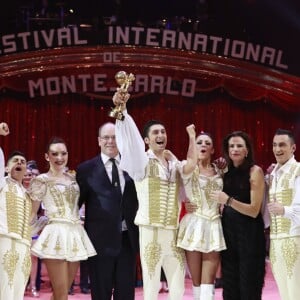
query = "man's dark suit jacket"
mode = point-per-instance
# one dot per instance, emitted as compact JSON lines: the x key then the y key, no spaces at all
{"x":103,"y":210}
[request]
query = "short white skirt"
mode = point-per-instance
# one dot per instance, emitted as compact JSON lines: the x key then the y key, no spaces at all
{"x":62,"y":240}
{"x":200,"y":234}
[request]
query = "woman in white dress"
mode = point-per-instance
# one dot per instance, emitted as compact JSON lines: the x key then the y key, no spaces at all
{"x":63,"y":242}
{"x":200,"y":231}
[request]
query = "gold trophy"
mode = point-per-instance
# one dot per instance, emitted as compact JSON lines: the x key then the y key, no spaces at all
{"x":124,"y":80}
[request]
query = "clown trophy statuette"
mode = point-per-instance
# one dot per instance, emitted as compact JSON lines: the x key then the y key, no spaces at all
{"x":124,"y":80}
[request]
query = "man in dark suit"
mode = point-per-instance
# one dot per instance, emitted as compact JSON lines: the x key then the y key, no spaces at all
{"x":110,"y":209}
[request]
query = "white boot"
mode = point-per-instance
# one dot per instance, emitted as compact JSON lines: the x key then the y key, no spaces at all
{"x":196,"y":292}
{"x":207,"y":292}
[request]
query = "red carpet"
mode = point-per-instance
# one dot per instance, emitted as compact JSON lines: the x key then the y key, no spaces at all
{"x":270,"y":291}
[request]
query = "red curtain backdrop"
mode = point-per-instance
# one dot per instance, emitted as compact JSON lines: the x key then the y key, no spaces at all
{"x":230,"y":95}
{"x":77,"y":118}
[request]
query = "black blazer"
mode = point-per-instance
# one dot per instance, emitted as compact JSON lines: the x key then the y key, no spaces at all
{"x":103,"y":210}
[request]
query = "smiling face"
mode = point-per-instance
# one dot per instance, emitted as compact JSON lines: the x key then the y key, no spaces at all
{"x":237,"y":150}
{"x":16,"y":167}
{"x":157,"y":138}
{"x":57,"y":157}
{"x":107,"y":140}
{"x":283,"y":148}
{"x":204,"y":146}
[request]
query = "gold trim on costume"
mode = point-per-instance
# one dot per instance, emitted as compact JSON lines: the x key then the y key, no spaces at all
{"x":191,"y":238}
{"x":58,"y":200}
{"x":272,"y":254}
{"x":10,"y":260}
{"x":45,"y":243}
{"x":290,"y":254}
{"x":178,"y":252}
{"x":26,"y":266}
{"x":282,"y":189}
{"x":210,"y":186}
{"x":196,"y":190}
{"x":182,"y":234}
{"x":152,"y":254}
{"x":199,"y":188}
{"x":75,"y":246}
{"x":279,"y":224}
{"x":163,"y":197}
{"x":71,"y":193}
{"x":18,"y":212}
{"x":57,"y":247}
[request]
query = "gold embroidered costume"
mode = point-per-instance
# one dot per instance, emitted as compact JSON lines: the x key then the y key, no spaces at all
{"x":285,"y":230}
{"x":15,"y":238}
{"x":63,"y":237}
{"x":157,"y":187}
{"x":202,"y":229}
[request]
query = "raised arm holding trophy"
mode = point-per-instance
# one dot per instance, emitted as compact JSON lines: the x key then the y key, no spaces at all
{"x":158,"y":210}
{"x":124,"y":80}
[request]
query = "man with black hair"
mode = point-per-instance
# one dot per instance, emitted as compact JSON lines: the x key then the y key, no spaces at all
{"x":15,"y":235}
{"x":284,"y":208}
{"x":157,"y":179}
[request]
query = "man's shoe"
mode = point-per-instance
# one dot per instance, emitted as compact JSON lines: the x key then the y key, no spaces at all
{"x":218,"y":283}
{"x":85,"y":291}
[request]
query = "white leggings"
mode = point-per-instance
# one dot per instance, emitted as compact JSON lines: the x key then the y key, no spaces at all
{"x":285,"y":262}
{"x":15,"y":265}
{"x":158,"y":250}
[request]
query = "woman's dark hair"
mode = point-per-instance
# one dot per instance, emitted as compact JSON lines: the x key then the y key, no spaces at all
{"x":249,"y":159}
{"x":205,"y":133}
{"x":32,"y":164}
{"x":55,"y":140}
